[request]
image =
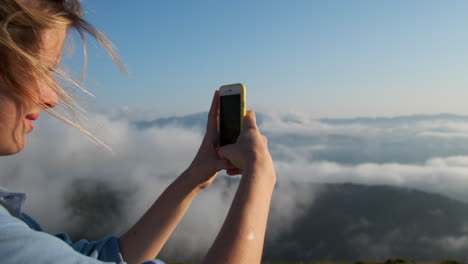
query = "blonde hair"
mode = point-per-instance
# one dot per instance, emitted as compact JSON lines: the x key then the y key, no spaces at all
{"x":22,"y":23}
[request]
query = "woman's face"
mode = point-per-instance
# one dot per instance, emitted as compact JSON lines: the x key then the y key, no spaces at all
{"x":17,"y":116}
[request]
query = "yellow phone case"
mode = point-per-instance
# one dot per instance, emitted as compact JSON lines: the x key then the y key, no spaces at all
{"x":243,"y":99}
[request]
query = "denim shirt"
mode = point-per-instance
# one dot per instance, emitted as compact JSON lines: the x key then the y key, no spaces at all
{"x":24,"y":241}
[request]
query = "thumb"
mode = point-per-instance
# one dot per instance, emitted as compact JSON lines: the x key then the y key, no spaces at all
{"x":250,"y":120}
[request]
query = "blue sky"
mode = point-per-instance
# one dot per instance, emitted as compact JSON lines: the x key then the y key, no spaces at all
{"x":326,"y":58}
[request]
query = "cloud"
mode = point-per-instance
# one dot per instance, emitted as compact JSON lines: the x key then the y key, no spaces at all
{"x":375,"y":248}
{"x":63,"y":172}
{"x":443,"y":134}
{"x":454,"y":243}
{"x":144,"y":161}
{"x":61,"y":166}
{"x":446,"y":176}
{"x":404,"y":140}
{"x":303,"y":124}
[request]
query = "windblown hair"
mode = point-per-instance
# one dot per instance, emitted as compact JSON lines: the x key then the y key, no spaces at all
{"x":22,"y":23}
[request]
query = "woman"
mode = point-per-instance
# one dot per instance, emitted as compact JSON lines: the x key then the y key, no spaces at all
{"x":31,"y":39}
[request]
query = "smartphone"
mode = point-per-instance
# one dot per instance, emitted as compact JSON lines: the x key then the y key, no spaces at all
{"x":231,"y":113}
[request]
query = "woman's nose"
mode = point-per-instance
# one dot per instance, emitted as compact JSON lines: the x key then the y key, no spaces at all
{"x":49,"y":97}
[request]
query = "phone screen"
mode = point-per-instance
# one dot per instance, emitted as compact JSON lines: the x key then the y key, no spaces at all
{"x":230,"y":119}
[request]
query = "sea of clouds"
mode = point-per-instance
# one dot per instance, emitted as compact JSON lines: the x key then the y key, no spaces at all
{"x":59,"y":164}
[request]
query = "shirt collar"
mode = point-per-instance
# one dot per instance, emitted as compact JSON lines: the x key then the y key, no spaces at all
{"x":13,"y":200}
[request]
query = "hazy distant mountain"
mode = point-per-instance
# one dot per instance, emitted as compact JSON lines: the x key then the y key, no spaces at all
{"x":193,"y":120}
{"x":395,"y":120}
{"x":199,"y":119}
{"x":351,"y":222}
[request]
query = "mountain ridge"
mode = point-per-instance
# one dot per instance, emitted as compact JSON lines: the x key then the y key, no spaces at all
{"x":345,"y":222}
{"x":359,"y":222}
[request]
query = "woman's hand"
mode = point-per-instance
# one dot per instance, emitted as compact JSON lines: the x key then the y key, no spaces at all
{"x":243,"y":233}
{"x":207,"y":162}
{"x":250,"y":151}
{"x":143,"y":241}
